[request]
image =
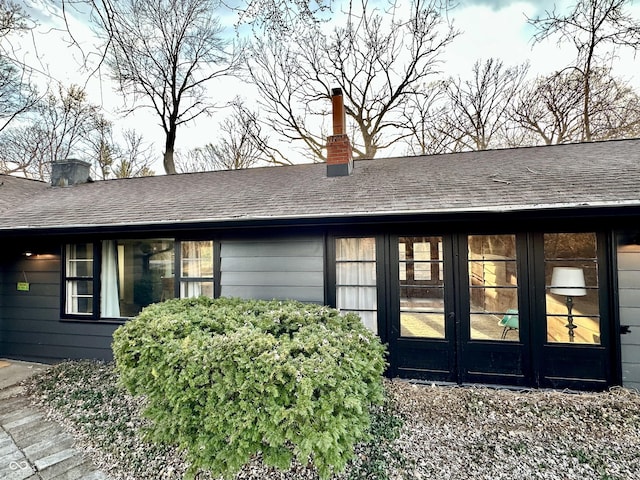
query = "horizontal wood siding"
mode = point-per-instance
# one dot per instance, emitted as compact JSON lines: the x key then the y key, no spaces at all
{"x":629,"y":301}
{"x":30,"y":325}
{"x":266,"y":269}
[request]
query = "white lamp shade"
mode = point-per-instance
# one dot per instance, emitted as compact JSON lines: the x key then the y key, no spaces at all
{"x":568,"y":281}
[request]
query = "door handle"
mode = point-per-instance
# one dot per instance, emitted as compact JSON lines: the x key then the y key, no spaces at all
{"x":451,"y":315}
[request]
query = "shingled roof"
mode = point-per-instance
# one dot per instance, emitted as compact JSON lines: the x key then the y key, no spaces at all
{"x":600,"y":174}
{"x":14,"y":191}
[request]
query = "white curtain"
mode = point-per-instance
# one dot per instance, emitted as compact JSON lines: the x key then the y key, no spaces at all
{"x":356,"y":279}
{"x":109,"y":297}
{"x":191,"y":267}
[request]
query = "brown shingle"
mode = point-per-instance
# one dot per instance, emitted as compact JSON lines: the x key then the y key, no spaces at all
{"x":564,"y":176}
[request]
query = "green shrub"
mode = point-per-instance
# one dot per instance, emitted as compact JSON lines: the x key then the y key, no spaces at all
{"x":226,"y":379}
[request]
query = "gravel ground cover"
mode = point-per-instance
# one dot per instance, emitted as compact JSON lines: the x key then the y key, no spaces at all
{"x":423,"y":431}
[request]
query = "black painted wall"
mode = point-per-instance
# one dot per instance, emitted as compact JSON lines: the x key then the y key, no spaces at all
{"x":30,"y":325}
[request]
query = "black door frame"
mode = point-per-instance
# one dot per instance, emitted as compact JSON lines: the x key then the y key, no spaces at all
{"x":540,"y":364}
{"x":575,"y":366}
{"x":432,"y":359}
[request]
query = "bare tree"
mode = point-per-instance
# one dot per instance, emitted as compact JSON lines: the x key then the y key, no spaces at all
{"x":379,"y":59}
{"x":59,"y":127}
{"x":133,"y":157}
{"x":614,"y":108}
{"x":551,"y":108}
{"x":424,"y":115}
{"x":163,"y":54}
{"x":590,"y":25}
{"x":68,"y":118}
{"x":478,"y":108}
{"x":278,"y":17}
{"x":17,"y":94}
{"x":241,"y":145}
{"x":21,"y":151}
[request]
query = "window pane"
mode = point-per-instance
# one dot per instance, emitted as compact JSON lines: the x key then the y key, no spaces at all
{"x":80,"y":260}
{"x":493,"y":287}
{"x":420,"y":324}
{"x":197,"y":259}
{"x":572,"y":290}
{"x":356,"y":249}
{"x":145,"y":272}
{"x":79,"y":279}
{"x":421,"y":281}
{"x":422,"y":252}
{"x":356,"y":289}
{"x":357,"y":298}
{"x":196,"y":289}
{"x":349,"y":273}
{"x":79,"y":297}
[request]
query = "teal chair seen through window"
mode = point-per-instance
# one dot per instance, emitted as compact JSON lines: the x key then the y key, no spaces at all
{"x":509,"y":322}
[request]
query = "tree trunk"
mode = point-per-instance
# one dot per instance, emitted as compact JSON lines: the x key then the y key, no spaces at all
{"x":169,"y":164}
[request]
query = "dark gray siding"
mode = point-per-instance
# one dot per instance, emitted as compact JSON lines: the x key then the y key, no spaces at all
{"x":291,"y":268}
{"x":30,"y":326}
{"x":629,"y":301}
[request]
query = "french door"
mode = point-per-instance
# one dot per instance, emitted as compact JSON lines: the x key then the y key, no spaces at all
{"x":492,"y":309}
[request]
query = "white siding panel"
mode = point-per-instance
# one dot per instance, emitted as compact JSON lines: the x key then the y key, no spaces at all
{"x":267,"y":264}
{"x":629,"y":297}
{"x":631,"y":338}
{"x":303,"y":294}
{"x":630,"y":374}
{"x":629,"y":277}
{"x":300,"y":279}
{"x":288,"y":268}
{"x":629,"y":261}
{"x":629,"y":301}
{"x":630,"y":316}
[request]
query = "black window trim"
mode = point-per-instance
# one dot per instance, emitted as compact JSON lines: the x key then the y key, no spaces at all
{"x":95,"y":316}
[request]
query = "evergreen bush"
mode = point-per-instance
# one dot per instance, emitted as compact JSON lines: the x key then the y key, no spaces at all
{"x":227,"y":379}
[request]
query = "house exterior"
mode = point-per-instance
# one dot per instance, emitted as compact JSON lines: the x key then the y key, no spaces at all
{"x":454,"y":260}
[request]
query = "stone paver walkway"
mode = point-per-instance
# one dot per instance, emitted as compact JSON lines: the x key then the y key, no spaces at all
{"x":32,"y":447}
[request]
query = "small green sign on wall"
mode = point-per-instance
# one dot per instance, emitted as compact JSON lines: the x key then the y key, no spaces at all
{"x":23,"y":286}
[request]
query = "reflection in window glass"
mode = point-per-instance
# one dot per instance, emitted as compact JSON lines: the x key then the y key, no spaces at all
{"x":421,"y":287}
{"x":572,"y":290}
{"x":422,"y":261}
{"x":493,"y":287}
{"x":356,"y":288}
{"x":135,"y":273}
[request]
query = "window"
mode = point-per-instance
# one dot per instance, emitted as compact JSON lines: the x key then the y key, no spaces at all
{"x":356,"y":288}
{"x":493,"y":287}
{"x":79,"y":279}
{"x":196,"y":269}
{"x":421,"y":279}
{"x":144,"y":275}
{"x":571,"y":281}
{"x":129,"y":275}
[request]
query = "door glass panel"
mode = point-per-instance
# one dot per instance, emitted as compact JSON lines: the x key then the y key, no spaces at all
{"x":493,"y":287}
{"x":421,"y":287}
{"x":571,"y":281}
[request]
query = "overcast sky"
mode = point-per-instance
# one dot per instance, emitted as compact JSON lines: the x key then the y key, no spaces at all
{"x":491,"y":28}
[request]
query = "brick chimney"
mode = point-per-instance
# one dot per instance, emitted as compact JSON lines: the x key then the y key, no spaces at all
{"x":339,"y":153}
{"x":68,"y":172}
